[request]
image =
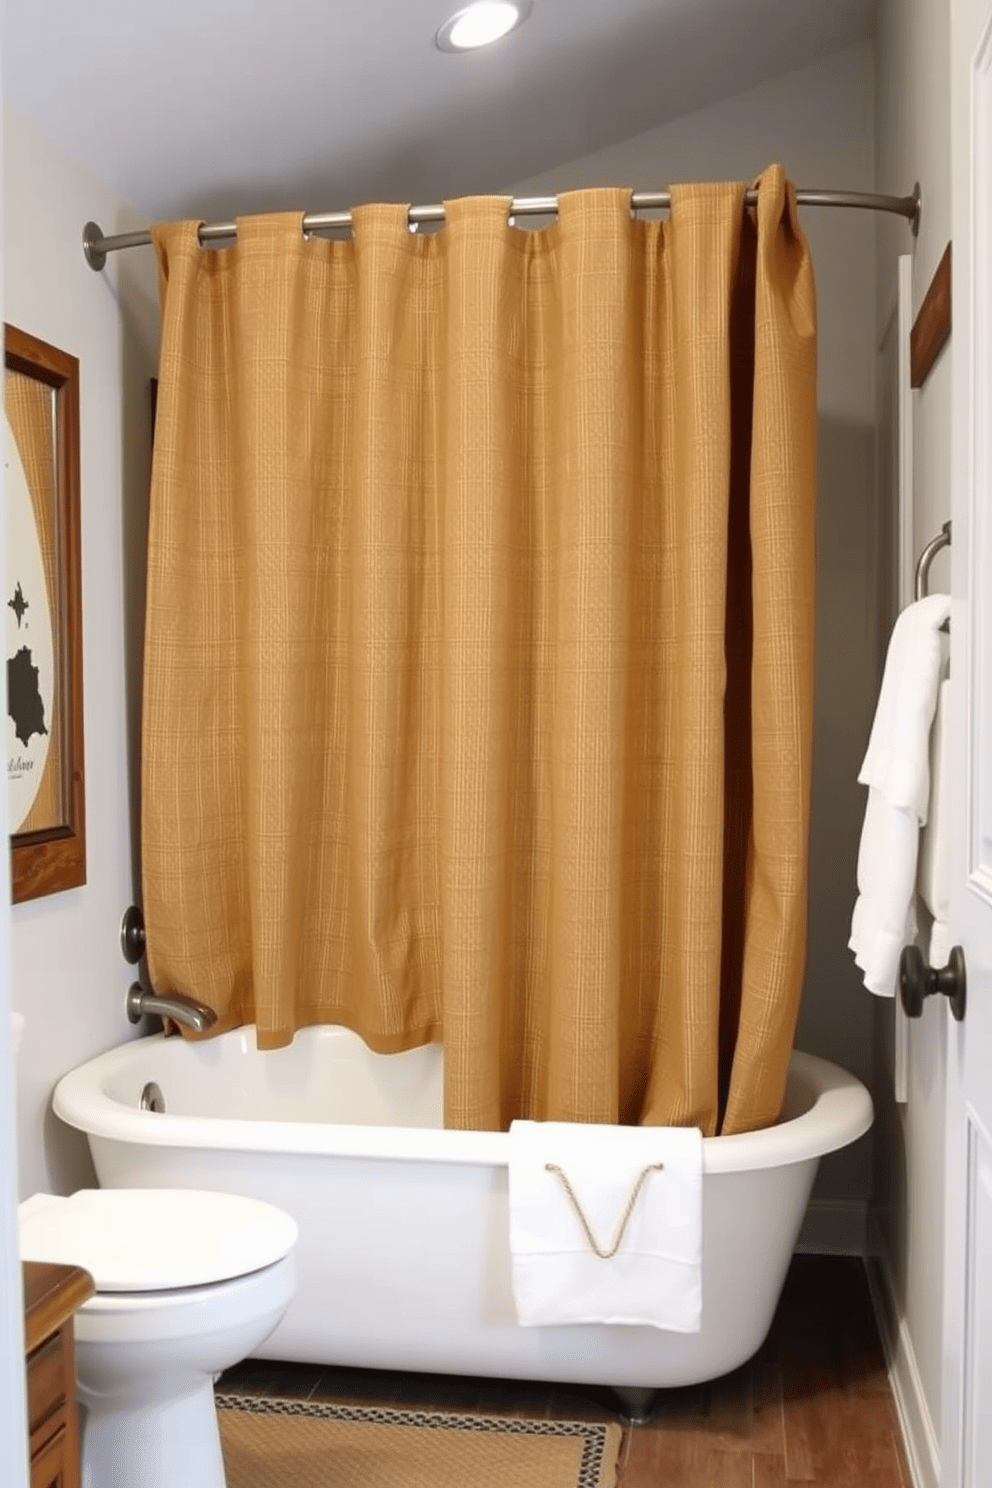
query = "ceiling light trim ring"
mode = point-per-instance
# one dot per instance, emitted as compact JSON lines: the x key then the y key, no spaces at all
{"x":444,"y":43}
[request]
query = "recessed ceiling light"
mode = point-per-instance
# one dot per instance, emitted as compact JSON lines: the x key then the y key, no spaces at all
{"x":481,"y":23}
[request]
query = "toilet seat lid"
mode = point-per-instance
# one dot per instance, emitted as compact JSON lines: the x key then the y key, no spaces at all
{"x":152,"y":1240}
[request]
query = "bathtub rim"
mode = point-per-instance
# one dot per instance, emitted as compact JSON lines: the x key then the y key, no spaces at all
{"x":841,"y":1112}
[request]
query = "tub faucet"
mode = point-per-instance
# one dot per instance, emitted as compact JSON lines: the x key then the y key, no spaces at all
{"x":175,"y":1005}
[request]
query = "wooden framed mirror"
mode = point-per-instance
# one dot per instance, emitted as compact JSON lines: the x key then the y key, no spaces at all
{"x":45,"y":781}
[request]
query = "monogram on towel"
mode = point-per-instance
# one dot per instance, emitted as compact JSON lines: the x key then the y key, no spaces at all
{"x":606,"y":1224}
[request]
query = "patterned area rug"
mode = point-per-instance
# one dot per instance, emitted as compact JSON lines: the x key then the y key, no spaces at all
{"x":298,"y":1444}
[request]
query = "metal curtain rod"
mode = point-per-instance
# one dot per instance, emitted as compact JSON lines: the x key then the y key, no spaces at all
{"x":96,"y":246}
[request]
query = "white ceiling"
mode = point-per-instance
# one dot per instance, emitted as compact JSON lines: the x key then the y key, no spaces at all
{"x":211,"y":107}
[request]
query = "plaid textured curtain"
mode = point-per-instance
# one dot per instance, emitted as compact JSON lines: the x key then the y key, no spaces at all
{"x":478,"y":675}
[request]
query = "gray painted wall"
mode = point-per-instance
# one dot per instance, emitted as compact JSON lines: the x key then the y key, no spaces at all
{"x":67,"y":974}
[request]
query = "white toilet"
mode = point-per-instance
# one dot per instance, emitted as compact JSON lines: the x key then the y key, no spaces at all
{"x":187,"y":1283}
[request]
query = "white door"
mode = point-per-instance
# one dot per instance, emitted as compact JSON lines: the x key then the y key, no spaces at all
{"x":966,"y":1435}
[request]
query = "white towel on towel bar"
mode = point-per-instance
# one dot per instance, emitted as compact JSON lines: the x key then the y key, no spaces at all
{"x":896,"y":770}
{"x":934,"y":877}
{"x":884,"y":918}
{"x":655,"y":1277}
{"x":897,"y":761}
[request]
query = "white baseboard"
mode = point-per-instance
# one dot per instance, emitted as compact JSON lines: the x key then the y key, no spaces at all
{"x":835,"y":1227}
{"x":919,"y":1437}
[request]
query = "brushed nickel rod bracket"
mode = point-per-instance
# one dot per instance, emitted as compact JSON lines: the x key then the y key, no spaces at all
{"x":93,"y":252}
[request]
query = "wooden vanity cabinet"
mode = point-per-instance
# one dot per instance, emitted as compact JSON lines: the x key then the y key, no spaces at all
{"x":51,"y":1296}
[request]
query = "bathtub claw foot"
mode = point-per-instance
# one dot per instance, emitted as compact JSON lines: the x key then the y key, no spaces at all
{"x":635,"y":1403}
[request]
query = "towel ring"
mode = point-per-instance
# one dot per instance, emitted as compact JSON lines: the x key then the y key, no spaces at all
{"x":921,"y":586}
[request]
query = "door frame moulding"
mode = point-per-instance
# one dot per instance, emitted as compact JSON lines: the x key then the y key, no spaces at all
{"x":971,"y":161}
{"x":918,"y":1433}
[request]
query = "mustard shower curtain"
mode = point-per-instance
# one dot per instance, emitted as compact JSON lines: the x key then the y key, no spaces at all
{"x":478,"y":674}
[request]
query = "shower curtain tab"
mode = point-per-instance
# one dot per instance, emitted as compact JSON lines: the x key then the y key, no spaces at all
{"x":96,"y":246}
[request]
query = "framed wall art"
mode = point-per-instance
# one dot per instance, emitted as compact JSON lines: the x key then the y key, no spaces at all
{"x":45,"y":781}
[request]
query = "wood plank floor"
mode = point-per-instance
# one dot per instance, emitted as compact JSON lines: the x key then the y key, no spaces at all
{"x":814,"y":1406}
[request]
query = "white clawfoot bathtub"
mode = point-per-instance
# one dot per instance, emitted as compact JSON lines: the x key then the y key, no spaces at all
{"x":402,"y":1260}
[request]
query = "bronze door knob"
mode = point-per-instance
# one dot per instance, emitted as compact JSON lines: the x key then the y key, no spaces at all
{"x":917,"y":981}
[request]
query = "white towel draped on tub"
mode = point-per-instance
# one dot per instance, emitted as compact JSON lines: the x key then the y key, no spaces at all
{"x":896,"y":770}
{"x":655,"y":1275}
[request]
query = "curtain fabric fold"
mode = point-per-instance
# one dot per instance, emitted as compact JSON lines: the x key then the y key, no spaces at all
{"x":478,"y":668}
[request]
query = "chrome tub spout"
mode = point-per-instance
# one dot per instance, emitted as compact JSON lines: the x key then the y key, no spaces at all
{"x":174,"y":1005}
